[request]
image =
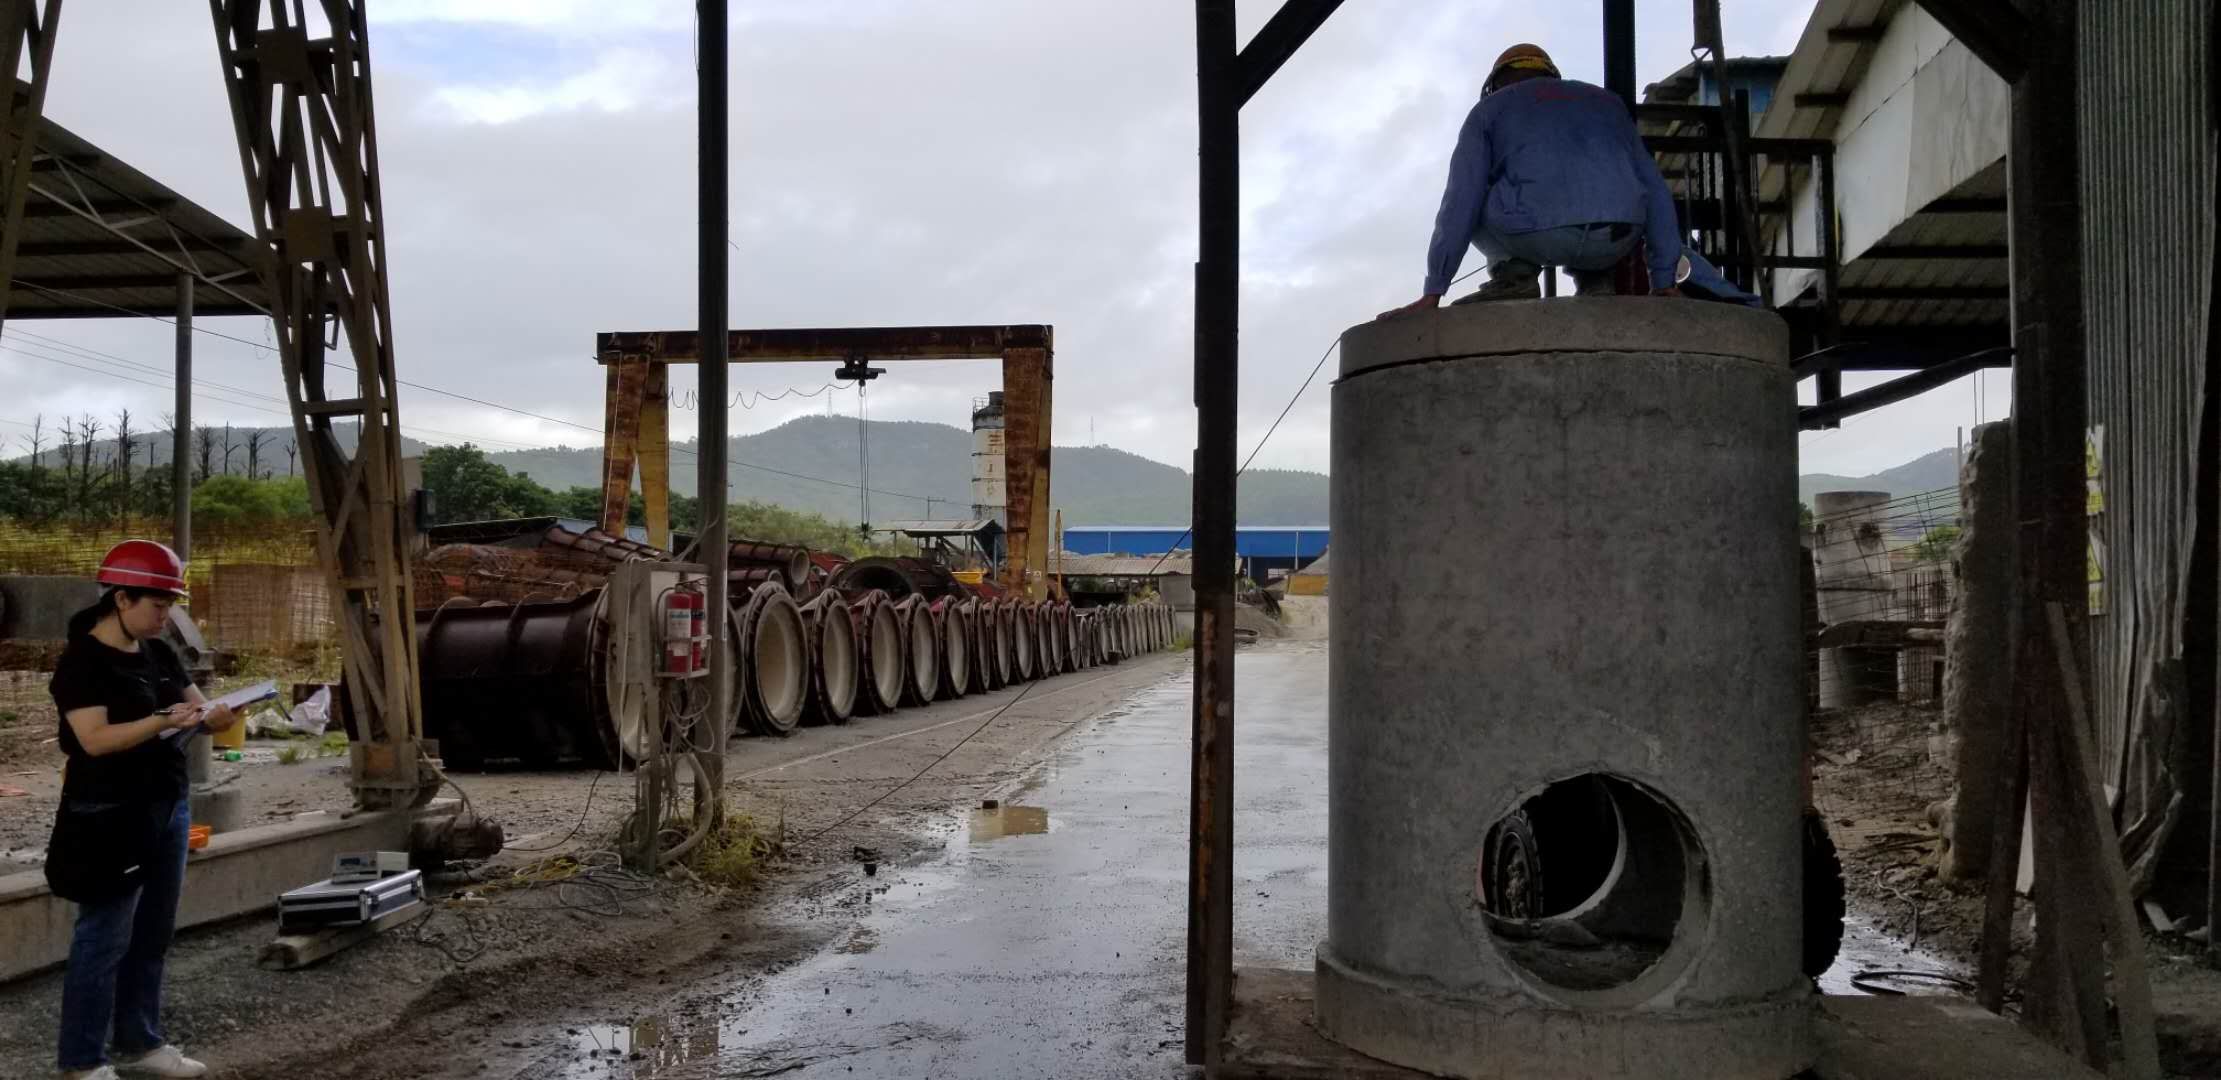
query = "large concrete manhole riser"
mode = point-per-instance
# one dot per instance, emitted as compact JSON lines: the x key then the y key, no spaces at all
{"x":1564,"y":631}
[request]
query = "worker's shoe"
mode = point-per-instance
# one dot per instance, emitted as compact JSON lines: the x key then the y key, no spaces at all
{"x":1516,"y":287}
{"x":165,"y":1061}
{"x":1593,"y":283}
{"x":101,"y":1073}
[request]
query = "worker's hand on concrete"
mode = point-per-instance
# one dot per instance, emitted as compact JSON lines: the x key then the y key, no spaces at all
{"x":1428,"y":302}
{"x":1670,"y":290}
{"x":220,"y":719}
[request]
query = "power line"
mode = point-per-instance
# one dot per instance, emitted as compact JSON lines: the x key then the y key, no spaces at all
{"x":450,"y":393}
{"x":406,"y":429}
{"x":1284,"y":410}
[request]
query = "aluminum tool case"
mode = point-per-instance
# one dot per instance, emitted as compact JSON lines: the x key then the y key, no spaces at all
{"x":327,"y":903}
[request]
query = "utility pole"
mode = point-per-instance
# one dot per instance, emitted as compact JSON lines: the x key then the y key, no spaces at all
{"x":712,"y":193}
{"x":181,"y":432}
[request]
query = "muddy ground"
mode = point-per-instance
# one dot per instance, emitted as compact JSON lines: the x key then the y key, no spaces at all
{"x":434,"y":999}
{"x":1876,"y":773}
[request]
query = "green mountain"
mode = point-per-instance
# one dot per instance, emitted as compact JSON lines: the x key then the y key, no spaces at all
{"x":1929,"y":472}
{"x":923,"y":470}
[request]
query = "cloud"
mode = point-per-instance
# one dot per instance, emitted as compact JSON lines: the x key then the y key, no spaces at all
{"x":621,"y":80}
{"x":892,"y":162}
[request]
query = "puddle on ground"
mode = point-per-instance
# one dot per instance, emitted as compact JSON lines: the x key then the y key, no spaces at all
{"x":645,"y":1048}
{"x":1008,"y":821}
{"x":1870,"y":960}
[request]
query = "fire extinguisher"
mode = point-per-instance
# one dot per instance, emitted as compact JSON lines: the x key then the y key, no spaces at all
{"x":684,"y":623}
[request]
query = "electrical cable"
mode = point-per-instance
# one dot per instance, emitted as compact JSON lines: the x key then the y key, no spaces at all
{"x":452,"y":394}
{"x":1284,"y":410}
{"x":890,"y":792}
{"x":575,"y":826}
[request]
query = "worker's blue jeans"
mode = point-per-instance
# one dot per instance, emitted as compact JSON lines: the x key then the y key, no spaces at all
{"x":1575,"y":248}
{"x":114,"y":980}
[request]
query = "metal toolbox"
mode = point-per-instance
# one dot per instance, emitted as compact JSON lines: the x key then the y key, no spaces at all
{"x":330,"y":903}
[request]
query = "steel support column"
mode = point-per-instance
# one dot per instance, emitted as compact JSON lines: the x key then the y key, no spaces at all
{"x":713,"y":193}
{"x":622,"y":406}
{"x":302,"y":109}
{"x":1027,"y":381}
{"x":1217,"y":385}
{"x":181,"y":427}
{"x":1619,"y":50}
{"x":1225,"y":79}
{"x":25,"y":30}
{"x":655,"y":454}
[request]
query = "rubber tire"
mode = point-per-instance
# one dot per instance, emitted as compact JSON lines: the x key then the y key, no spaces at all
{"x":1514,"y":831}
{"x":1824,"y":896}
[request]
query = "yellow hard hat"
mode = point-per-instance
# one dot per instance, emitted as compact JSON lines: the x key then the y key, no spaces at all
{"x":1521,"y":57}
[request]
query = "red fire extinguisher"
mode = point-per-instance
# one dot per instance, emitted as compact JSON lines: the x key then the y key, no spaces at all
{"x":685,"y":623}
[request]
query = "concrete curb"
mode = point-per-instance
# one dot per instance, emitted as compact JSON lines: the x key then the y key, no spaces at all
{"x":238,"y":873}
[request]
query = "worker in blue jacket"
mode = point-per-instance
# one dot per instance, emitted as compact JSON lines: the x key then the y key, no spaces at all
{"x":1548,"y":171}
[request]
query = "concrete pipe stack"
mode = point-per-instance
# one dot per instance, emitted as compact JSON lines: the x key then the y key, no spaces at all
{"x":921,"y":651}
{"x":1631,"y":687}
{"x":518,"y":659}
{"x":956,"y":647}
{"x":1021,"y":641}
{"x":773,"y":657}
{"x":882,"y":667}
{"x":831,"y":632}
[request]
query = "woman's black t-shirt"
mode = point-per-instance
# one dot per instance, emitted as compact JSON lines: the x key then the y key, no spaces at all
{"x":131,"y":686}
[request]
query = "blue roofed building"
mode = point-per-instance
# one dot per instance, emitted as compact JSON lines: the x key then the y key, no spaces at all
{"x":1263,"y":549}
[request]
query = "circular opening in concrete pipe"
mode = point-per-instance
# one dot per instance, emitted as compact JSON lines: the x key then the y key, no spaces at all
{"x":1589,"y":884}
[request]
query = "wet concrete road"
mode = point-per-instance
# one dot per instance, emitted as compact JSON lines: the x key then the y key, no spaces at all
{"x":1046,"y":938}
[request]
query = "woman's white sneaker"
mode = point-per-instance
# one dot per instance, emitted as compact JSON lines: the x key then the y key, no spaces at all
{"x":165,"y":1061}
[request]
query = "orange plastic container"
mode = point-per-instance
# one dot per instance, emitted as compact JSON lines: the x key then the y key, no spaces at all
{"x":196,"y":837}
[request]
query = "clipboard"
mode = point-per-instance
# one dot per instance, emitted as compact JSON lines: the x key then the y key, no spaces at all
{"x":237,"y":699}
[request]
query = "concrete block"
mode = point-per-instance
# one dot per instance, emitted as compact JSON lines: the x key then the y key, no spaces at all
{"x":238,"y":873}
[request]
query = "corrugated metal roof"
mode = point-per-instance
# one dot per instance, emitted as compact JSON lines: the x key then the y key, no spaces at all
{"x":102,"y":239}
{"x":1122,"y":565}
{"x":967,"y":527}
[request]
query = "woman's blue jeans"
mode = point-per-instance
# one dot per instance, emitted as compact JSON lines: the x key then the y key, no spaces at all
{"x":114,"y":980}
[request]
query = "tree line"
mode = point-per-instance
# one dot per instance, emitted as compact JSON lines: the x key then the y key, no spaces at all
{"x":467,"y":486}
{"x":97,"y":470}
{"x":87,"y":470}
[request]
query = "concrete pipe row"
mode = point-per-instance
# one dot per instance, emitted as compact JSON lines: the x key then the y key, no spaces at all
{"x":535,"y":682}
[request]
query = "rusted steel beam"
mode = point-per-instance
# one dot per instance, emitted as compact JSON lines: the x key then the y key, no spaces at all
{"x":828,"y":343}
{"x":1275,"y":42}
{"x":1026,"y":382}
{"x":654,"y":445}
{"x":301,"y":109}
{"x":1217,"y":376}
{"x":620,"y":440}
{"x":24,"y":31}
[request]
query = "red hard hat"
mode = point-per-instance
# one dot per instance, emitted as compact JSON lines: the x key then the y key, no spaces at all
{"x":143,"y":564}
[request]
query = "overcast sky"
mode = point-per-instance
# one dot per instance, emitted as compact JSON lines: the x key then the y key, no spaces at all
{"x":894,"y":162}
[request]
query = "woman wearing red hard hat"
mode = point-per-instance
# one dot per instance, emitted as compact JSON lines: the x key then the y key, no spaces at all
{"x":128,"y":712}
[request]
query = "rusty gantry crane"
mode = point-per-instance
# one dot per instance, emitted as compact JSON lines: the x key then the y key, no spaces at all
{"x":638,"y":418}
{"x":301,"y":107}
